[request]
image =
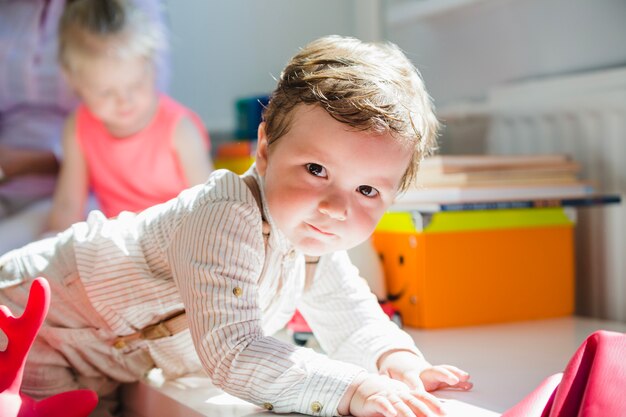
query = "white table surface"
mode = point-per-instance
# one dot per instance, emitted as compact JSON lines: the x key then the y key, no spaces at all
{"x":506,"y":361}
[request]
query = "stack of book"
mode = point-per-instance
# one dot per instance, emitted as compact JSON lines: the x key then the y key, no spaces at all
{"x":506,"y":223}
{"x":471,"y":182}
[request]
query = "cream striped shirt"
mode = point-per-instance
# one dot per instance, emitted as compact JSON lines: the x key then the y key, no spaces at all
{"x":204,"y":251}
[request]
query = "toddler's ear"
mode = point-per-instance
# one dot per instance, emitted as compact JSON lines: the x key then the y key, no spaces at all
{"x":70,"y":79}
{"x":67,"y":75}
{"x":261,"y":150}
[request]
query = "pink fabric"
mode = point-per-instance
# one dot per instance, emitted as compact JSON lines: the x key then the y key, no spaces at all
{"x":138,"y":171}
{"x":592,"y":385}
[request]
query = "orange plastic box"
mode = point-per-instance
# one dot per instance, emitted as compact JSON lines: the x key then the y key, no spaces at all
{"x":236,"y":156}
{"x":475,"y":268}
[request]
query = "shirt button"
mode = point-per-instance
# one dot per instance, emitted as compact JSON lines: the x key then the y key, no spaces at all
{"x":119,"y":344}
{"x":268,"y":406}
{"x":237,"y":291}
{"x":316,"y":407}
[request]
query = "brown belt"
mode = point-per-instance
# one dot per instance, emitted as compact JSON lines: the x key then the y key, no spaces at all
{"x":165,"y":328}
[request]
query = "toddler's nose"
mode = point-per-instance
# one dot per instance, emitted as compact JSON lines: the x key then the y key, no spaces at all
{"x":124,"y":98}
{"x":334,"y":207}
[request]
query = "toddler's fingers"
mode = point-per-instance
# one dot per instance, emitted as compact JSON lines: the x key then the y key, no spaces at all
{"x":413,"y":380}
{"x":464,"y":385}
{"x":426,"y":403}
{"x":383,"y":406}
{"x":401,"y":404}
{"x":461,"y":374}
{"x":440,"y":374}
{"x":463,"y":377}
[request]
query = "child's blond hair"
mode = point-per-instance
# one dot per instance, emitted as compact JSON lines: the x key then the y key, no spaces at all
{"x":115,"y":27}
{"x":370,"y":87}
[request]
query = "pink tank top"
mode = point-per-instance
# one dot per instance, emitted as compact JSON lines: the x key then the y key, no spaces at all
{"x":138,"y":171}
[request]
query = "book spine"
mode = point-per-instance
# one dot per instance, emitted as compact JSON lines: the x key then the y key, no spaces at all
{"x":491,"y":205}
{"x":559,"y":202}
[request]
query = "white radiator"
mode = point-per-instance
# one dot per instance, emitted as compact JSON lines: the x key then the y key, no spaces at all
{"x":584,"y":116}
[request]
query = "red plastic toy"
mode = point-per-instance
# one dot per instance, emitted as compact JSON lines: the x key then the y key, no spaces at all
{"x":21,"y":332}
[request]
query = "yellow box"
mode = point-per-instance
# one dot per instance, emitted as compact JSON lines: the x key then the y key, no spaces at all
{"x":477,"y":272}
{"x":237,"y":165}
{"x":236,"y":156}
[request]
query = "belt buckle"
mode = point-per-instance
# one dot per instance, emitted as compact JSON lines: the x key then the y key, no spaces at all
{"x":155,"y":331}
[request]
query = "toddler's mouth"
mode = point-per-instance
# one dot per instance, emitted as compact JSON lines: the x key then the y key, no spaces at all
{"x":317,"y":230}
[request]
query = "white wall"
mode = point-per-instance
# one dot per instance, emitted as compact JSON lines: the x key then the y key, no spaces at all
{"x":463,"y":47}
{"x":223,"y":50}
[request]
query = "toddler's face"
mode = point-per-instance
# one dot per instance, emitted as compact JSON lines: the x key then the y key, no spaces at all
{"x":327,"y":185}
{"x":119,"y":92}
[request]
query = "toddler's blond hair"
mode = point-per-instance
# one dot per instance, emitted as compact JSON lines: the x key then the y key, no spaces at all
{"x":115,"y":27}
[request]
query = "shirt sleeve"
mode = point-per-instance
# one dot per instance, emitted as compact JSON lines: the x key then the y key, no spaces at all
{"x":216,"y":257}
{"x":345,"y":316}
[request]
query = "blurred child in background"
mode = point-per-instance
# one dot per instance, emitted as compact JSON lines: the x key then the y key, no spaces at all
{"x":133,"y":146}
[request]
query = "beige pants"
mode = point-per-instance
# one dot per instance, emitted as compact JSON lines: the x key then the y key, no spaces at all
{"x":73,"y":349}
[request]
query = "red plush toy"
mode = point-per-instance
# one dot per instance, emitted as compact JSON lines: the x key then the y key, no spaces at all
{"x":21,"y":332}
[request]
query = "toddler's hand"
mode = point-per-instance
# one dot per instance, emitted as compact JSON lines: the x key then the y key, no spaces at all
{"x":445,"y":376}
{"x":405,"y":366}
{"x":380,"y":395}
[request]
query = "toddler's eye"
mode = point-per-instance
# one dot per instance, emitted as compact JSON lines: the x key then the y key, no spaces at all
{"x":316,"y":169}
{"x":367,"y":191}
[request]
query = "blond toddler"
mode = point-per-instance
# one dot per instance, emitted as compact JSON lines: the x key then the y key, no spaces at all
{"x":131,"y":145}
